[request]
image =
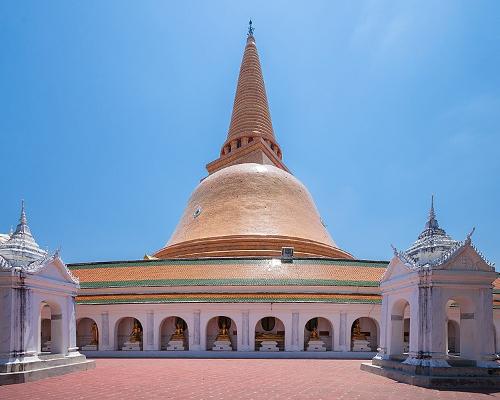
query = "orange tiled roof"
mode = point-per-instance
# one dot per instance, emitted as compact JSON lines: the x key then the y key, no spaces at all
{"x":230,"y":272}
{"x":228,"y":298}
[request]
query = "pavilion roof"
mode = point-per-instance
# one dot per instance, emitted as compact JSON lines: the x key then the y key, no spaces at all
{"x":229,"y":272}
{"x":229,"y":298}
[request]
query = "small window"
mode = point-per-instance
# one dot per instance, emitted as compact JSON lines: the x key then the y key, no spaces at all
{"x":238,"y":143}
{"x":268,"y":323}
{"x":197,"y":212}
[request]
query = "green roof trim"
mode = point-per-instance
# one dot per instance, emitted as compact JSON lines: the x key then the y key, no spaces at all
{"x":228,"y":282}
{"x":496,"y":291}
{"x":209,"y":299}
{"x":225,"y":261}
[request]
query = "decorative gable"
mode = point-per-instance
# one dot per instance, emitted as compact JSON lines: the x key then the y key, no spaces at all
{"x":395,"y":269}
{"x":53,"y":268}
{"x":466,"y":258}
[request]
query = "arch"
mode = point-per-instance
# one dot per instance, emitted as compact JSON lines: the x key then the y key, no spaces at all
{"x":50,"y":328}
{"x":87,"y":334}
{"x":318,"y":329}
{"x":174,"y":334}
{"x":128,"y":334}
{"x":270,"y":334}
{"x":468,"y":332}
{"x":364,"y":334}
{"x":399,"y":329}
{"x":453,"y":338}
{"x":221,"y":333}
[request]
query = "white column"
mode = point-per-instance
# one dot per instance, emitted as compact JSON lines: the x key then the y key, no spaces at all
{"x":150,"y":332}
{"x":245,"y":342}
{"x":383,"y":339}
{"x":485,"y":351}
{"x":72,"y":325}
{"x":196,"y":345}
{"x":104,"y":332}
{"x":294,"y":345}
{"x":344,"y":345}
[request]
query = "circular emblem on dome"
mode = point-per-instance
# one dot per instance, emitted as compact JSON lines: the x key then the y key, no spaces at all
{"x":197,"y":212}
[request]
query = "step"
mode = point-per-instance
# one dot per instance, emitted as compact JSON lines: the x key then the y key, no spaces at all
{"x":9,"y":378}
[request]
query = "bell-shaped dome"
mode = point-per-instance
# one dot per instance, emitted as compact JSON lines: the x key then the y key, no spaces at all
{"x":250,"y":210}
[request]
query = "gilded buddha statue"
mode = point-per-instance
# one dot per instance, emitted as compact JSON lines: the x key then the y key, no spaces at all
{"x":223,"y":334}
{"x":314,"y":334}
{"x":135,"y":335}
{"x":356,"y":332}
{"x":94,"y":335}
{"x":179,"y":331}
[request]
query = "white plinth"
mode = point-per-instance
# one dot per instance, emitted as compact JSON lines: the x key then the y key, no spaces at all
{"x":361,"y":345}
{"x":47,"y":346}
{"x":175,"y":345}
{"x":131,"y":346}
{"x":316,"y":345}
{"x":222,"y":345}
{"x":269,"y":345}
{"x":89,"y":347}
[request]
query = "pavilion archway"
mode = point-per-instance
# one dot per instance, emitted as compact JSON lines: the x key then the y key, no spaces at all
{"x":222,"y":334}
{"x":87,"y":334}
{"x":461,"y":336}
{"x":318,"y":335}
{"x":174,"y":334}
{"x":364,"y":334}
{"x":51,"y":329}
{"x":129,"y":334}
{"x":399,"y":329}
{"x":270,"y":334}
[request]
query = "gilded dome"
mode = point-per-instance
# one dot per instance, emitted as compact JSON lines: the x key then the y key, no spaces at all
{"x":250,"y":210}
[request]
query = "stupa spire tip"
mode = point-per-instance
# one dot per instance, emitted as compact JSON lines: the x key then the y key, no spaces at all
{"x":22,"y":219}
{"x":250,"y":28}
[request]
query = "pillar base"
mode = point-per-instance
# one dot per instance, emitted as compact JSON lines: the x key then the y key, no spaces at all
{"x":43,"y":367}
{"x":418,"y":360}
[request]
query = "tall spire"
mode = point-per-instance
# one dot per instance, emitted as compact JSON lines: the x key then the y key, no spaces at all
{"x":251,"y":116}
{"x":250,"y":120}
{"x":431,"y":226}
{"x":432,"y":221}
{"x":22,"y":227}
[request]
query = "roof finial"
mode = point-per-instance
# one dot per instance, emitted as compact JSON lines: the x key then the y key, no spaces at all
{"x":432,"y":223}
{"x":22,"y":219}
{"x":432,"y":214}
{"x":250,"y":28}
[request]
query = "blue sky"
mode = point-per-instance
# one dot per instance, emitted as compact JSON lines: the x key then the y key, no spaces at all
{"x":109,"y":111}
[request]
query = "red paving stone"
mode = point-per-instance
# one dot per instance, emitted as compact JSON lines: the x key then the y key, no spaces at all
{"x":225,"y":379}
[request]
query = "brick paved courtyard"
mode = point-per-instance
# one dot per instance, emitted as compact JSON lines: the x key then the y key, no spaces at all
{"x":228,"y":379}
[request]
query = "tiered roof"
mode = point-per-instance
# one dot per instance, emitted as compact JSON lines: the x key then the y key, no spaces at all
{"x":230,"y":272}
{"x":100,"y":281}
{"x":21,"y":249}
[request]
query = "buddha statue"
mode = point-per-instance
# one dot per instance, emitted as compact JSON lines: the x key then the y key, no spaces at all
{"x":314,"y":334}
{"x":135,"y":335}
{"x":223,"y":334}
{"x":356,"y":332}
{"x":95,"y":337}
{"x":179,"y":331}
